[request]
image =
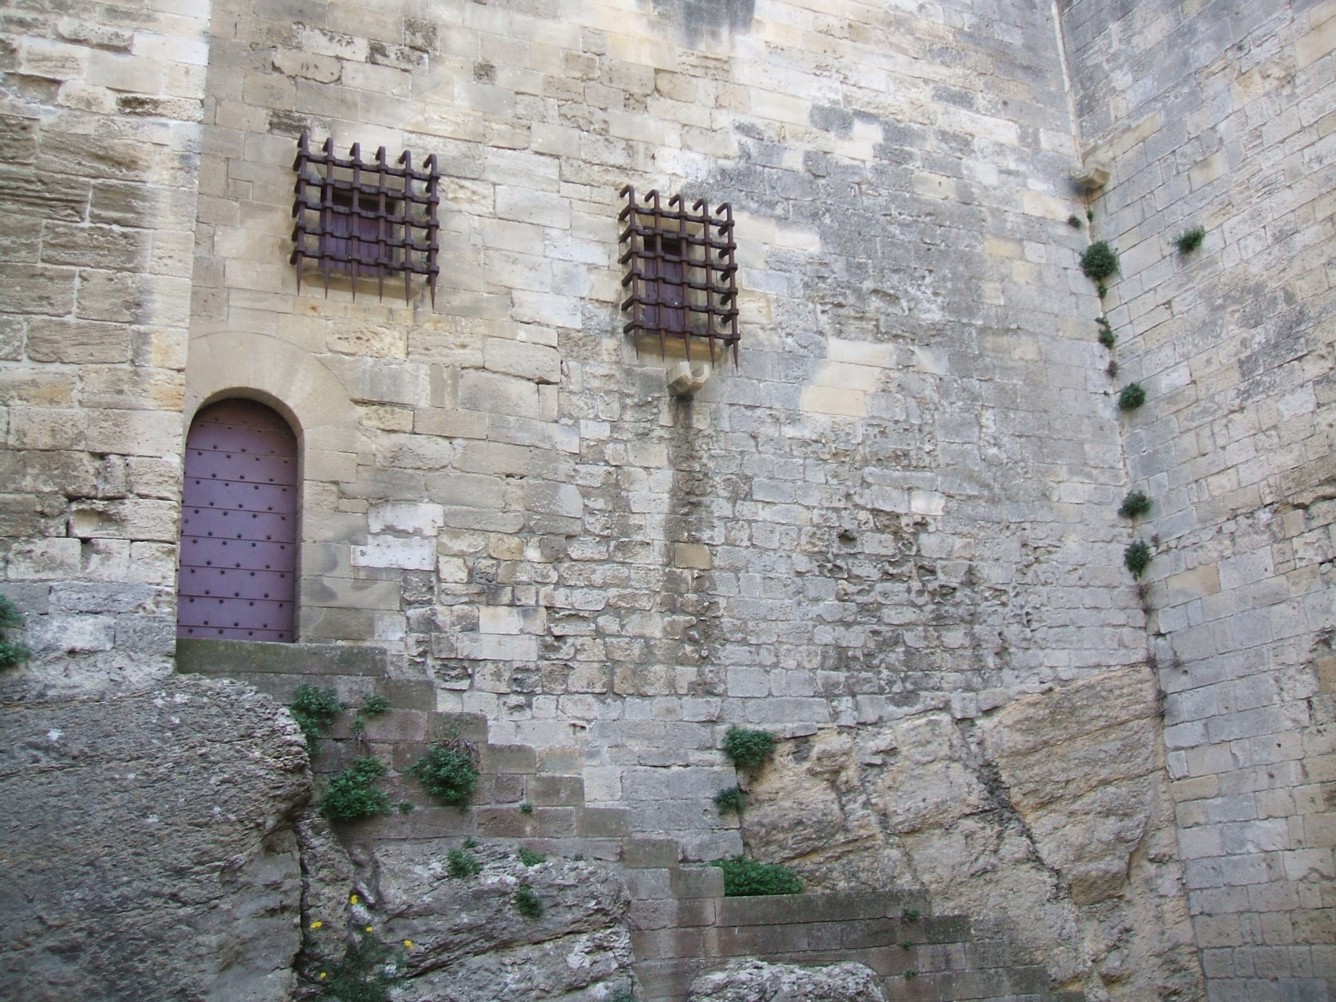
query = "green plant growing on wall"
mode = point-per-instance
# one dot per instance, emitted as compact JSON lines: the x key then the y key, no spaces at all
{"x":730,"y":801}
{"x":353,"y":794}
{"x":745,"y":877}
{"x":367,"y":973}
{"x":12,"y":652}
{"x":527,"y":902}
{"x":526,"y":807}
{"x":1134,"y":505}
{"x":1074,"y":221}
{"x":748,"y":749}
{"x":1137,"y":558}
{"x":1106,"y":336}
{"x":449,"y":771}
{"x":910,"y":915}
{"x":314,"y":708}
{"x":461,"y":864}
{"x":1099,"y":263}
{"x":372,"y":706}
{"x":1132,"y":396}
{"x":529,"y":857}
{"x":1189,"y":240}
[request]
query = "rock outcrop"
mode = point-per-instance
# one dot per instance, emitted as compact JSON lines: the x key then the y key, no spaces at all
{"x":1050,"y":814}
{"x":758,"y":981}
{"x":551,"y":930}
{"x":148,"y":845}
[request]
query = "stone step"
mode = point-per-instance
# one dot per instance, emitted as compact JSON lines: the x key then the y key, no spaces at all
{"x":235,"y":658}
{"x":682,"y":923}
{"x":684,"y":926}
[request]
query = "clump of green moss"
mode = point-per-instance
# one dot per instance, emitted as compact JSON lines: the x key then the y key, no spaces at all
{"x":11,"y":651}
{"x":527,"y":902}
{"x":314,"y":708}
{"x":730,"y":801}
{"x":1189,"y":240}
{"x":748,"y":749}
{"x":461,"y":864}
{"x":353,"y":794}
{"x":746,"y":877}
{"x":1134,"y":505}
{"x":448,"y":771}
{"x":1137,"y":558}
{"x":1133,"y":395}
{"x":1099,"y":262}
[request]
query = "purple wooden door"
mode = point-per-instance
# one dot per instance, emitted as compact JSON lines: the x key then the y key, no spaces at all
{"x":238,"y":525}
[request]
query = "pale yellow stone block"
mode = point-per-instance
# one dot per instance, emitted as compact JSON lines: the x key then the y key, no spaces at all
{"x":934,"y":186}
{"x":1311,"y":47}
{"x":695,"y":556}
{"x":927,"y":502}
{"x":50,"y":60}
{"x":1047,"y":206}
{"x":388,"y":418}
{"x":780,"y":107}
{"x":861,"y":352}
{"x":1196,"y":583}
{"x":305,"y":64}
{"x":1004,"y":247}
{"x":124,"y":72}
{"x":973,"y":124}
{"x":798,"y":238}
{"x":1206,"y":171}
{"x":834,"y":400}
{"x":1137,"y":134}
{"x":847,"y":375}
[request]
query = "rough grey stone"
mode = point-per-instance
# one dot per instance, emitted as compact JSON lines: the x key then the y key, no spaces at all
{"x":471,"y":943}
{"x":149,"y":847}
{"x":758,"y":981}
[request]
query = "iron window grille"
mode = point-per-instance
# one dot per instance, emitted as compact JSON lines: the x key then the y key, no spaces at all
{"x":365,"y":218}
{"x":680,"y":277}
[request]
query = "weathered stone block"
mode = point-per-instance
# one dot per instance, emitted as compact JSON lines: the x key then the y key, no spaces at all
{"x":75,"y":342}
{"x":37,"y":289}
{"x":238,"y":657}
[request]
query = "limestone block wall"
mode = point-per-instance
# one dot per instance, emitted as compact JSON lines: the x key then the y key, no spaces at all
{"x":1220,"y":115}
{"x":898,"y":501}
{"x":100,"y":111}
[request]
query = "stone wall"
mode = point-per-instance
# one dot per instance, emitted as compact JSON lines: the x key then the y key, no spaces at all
{"x":100,"y":120}
{"x":895,"y":503}
{"x":896,"y":515}
{"x":1219,"y":115}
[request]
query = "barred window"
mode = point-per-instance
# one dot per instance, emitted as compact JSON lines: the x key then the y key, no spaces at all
{"x":365,"y":219}
{"x":680,"y":278}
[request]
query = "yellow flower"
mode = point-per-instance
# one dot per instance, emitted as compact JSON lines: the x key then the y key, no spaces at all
{"x":324,"y":975}
{"x":353,"y":899}
{"x":408,"y":944}
{"x":371,"y":928}
{"x":317,"y":924}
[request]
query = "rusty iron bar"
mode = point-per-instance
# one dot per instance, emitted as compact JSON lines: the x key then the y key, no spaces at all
{"x":366,"y":217}
{"x":680,"y":277}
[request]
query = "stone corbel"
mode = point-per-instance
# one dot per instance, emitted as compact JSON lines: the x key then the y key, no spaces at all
{"x":684,"y":379}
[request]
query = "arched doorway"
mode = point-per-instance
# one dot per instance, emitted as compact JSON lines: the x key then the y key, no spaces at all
{"x":237,"y":577}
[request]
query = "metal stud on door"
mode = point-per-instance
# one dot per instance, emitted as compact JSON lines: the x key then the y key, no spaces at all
{"x":238,"y":565}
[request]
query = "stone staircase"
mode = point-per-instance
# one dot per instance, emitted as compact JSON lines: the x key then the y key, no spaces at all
{"x":682,"y":925}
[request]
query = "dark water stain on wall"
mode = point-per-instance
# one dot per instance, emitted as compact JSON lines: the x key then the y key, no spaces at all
{"x":697,"y":18}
